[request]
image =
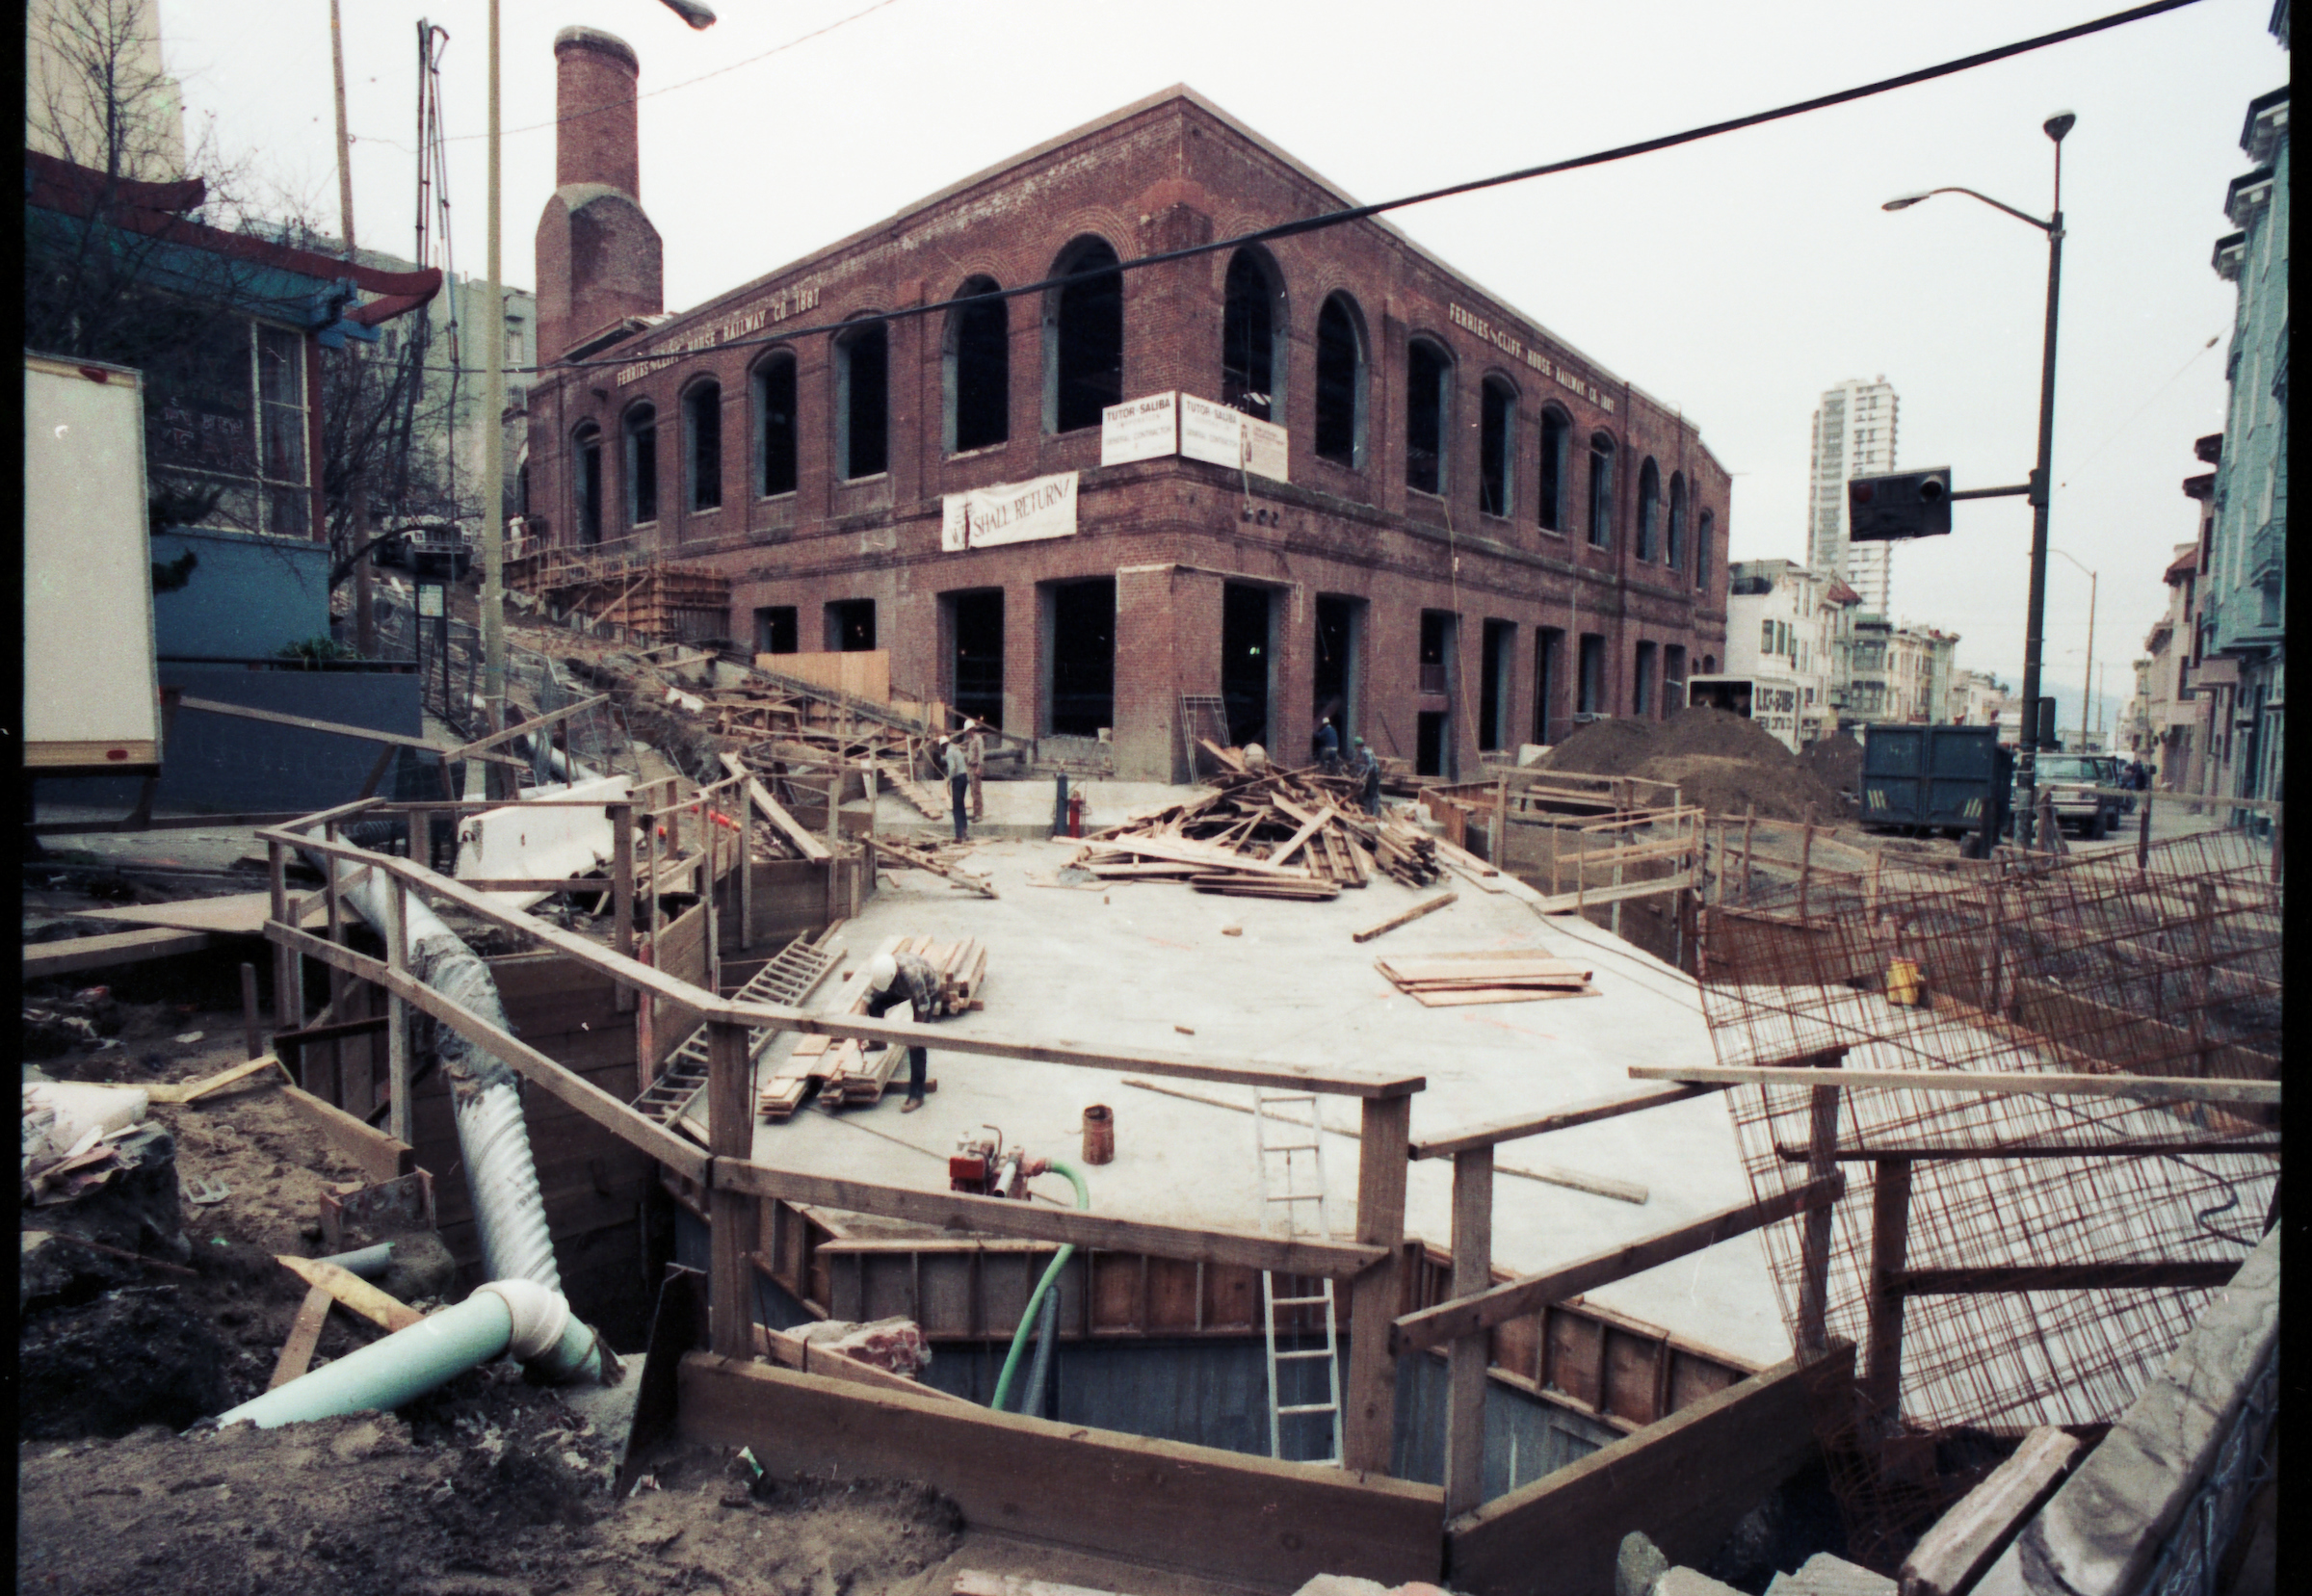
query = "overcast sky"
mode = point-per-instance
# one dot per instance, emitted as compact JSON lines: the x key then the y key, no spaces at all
{"x":1736,"y":278}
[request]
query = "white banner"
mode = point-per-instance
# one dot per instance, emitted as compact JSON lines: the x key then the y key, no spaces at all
{"x":1224,"y":436}
{"x":1139,"y":430}
{"x":1010,"y":512}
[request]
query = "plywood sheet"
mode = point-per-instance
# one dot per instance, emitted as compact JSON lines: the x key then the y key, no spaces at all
{"x":236,"y":914}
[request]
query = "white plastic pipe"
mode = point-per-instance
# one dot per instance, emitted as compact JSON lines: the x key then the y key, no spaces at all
{"x":505,"y":1316}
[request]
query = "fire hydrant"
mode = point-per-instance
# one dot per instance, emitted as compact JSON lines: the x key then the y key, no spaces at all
{"x":1075,"y":812}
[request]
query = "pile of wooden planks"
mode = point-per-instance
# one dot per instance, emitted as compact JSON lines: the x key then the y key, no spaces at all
{"x":1270,"y":833}
{"x":841,"y":1072}
{"x":1493,"y":975}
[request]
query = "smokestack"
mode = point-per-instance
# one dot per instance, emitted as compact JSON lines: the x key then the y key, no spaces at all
{"x":596,"y":139}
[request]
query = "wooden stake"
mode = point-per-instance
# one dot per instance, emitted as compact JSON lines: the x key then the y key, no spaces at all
{"x":1465,"y":1379}
{"x":730,"y":1134}
{"x":1407,"y":918}
{"x":1805,"y":866}
{"x":1890,"y":1240}
{"x":305,"y":1334}
{"x":1814,"y":1253}
{"x":1370,"y":1422}
{"x":1749,"y":823}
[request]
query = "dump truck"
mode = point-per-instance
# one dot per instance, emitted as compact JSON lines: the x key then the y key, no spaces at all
{"x":1773,"y":701}
{"x":92,"y":672}
{"x":1920,"y":779}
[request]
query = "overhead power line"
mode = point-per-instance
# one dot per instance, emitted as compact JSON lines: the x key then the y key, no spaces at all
{"x":1359,"y":213}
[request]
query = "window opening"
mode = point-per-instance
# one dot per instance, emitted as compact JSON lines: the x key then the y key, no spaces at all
{"x":1548,"y":644}
{"x":1649,"y":510}
{"x":1673,"y":679}
{"x":1601,"y":491}
{"x":641,"y":466}
{"x":978,"y":664}
{"x":586,"y":487}
{"x":1436,"y":651}
{"x":1083,"y":656}
{"x":1428,"y":370}
{"x":1701,"y":550}
{"x":775,"y":436}
{"x":702,"y":420}
{"x":1495,"y":454}
{"x":1675,"y":554}
{"x":851,"y":625}
{"x":1251,"y":323}
{"x":862,"y":382}
{"x":1244,"y":660}
{"x":1340,"y":385}
{"x":1498,"y":643}
{"x":1083,"y":338}
{"x":1429,"y":743}
{"x":1337,"y":665}
{"x":774,"y":630}
{"x":1557,"y":435}
{"x":1592,"y":687}
{"x":1641,"y":696}
{"x":978,"y":369}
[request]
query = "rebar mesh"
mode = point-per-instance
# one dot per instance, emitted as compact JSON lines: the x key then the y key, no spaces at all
{"x":2159,"y":961}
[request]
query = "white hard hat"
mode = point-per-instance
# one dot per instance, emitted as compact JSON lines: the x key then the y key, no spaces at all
{"x":881,"y":971}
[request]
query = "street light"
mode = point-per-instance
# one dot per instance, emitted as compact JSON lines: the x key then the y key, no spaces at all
{"x":2055,"y":127}
{"x":2088,"y":675}
{"x":494,"y":403}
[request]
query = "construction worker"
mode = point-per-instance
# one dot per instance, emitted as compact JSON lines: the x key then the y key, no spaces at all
{"x":975,"y":760}
{"x":953,"y":765}
{"x":894,"y":979}
{"x":1329,"y":746}
{"x":1367,"y":768}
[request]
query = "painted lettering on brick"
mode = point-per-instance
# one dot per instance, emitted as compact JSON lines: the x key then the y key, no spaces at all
{"x":1565,"y":376}
{"x":763,"y":312}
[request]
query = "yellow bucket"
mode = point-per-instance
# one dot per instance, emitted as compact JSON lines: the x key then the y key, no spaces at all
{"x":1903,"y":987}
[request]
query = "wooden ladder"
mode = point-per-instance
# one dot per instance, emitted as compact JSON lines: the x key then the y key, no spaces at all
{"x":1292,"y":1181}
{"x":786,"y":980}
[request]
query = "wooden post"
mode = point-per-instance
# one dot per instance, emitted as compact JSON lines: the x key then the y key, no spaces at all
{"x":1614,"y":919}
{"x":835,"y":839}
{"x":252,"y":1033}
{"x":2143,"y":838}
{"x":746,"y":809}
{"x":621,"y":887}
{"x":1370,"y":1422}
{"x":400,"y":1121}
{"x":1890,"y":1242}
{"x":1814,"y":1252}
{"x":730,"y":1134}
{"x":710,"y":841}
{"x":1500,"y":828}
{"x":1465,"y":1389}
{"x":338,"y":977}
{"x":1805,"y":866}
{"x":288,"y":971}
{"x":421,"y":832}
{"x":1749,"y":823}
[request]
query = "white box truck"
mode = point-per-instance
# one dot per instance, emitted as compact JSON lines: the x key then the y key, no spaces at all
{"x":91,"y":680}
{"x":1773,"y":701}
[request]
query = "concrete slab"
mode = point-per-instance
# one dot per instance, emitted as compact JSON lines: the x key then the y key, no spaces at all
{"x":1122,"y":966}
{"x":1023,"y":809}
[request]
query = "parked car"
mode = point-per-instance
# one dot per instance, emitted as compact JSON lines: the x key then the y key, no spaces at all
{"x":2069,"y":780}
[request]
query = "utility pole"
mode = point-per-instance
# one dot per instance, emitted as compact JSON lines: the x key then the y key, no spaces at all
{"x":366,"y":622}
{"x":2087,"y":676}
{"x":493,"y":437}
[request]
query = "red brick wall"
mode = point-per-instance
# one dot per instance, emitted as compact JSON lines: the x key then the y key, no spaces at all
{"x":1168,"y":174}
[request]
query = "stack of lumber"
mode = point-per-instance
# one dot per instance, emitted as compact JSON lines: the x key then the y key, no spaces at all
{"x":1270,"y":833}
{"x":841,"y":1072}
{"x":1493,"y":975}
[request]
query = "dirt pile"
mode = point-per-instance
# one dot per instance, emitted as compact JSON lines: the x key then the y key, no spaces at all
{"x":1838,"y":760}
{"x":1728,"y":765}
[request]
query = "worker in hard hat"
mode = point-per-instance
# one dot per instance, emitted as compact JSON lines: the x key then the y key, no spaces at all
{"x":1367,"y":770}
{"x":894,"y":979}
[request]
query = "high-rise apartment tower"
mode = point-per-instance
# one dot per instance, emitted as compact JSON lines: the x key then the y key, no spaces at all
{"x":1854,"y":437}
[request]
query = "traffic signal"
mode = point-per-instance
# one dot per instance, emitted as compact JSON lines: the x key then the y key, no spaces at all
{"x":1898,"y":504}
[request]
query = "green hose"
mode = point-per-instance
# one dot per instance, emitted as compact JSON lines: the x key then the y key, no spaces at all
{"x":1027,"y":1320}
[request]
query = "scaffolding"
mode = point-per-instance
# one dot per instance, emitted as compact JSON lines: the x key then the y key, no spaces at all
{"x":2005,"y":1259}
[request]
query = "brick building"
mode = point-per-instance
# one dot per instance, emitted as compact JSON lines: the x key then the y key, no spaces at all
{"x":1440,"y":523}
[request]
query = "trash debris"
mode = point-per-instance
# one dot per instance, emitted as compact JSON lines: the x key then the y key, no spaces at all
{"x":208,"y":1190}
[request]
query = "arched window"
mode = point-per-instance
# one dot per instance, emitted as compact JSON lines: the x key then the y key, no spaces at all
{"x":1428,"y":406}
{"x":586,"y":483}
{"x":862,"y":390}
{"x":1341,"y":383}
{"x":1557,"y":468}
{"x":1083,"y":337}
{"x":1701,"y":550}
{"x":702,"y":444}
{"x":641,"y":466}
{"x":774,"y":425}
{"x":1253,"y":344}
{"x":1675,"y":554}
{"x":1497,"y":447}
{"x":1601,"y":491}
{"x":975,"y":365}
{"x":1649,"y":510}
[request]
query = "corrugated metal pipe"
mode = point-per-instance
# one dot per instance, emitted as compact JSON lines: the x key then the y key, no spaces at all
{"x":519,"y":1317}
{"x":508,"y":1209}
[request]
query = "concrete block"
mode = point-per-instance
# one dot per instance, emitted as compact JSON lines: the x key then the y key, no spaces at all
{"x":1638,"y":1567}
{"x":1691,"y":1582}
{"x":1823,"y":1575}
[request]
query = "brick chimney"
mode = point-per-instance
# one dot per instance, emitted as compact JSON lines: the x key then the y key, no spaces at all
{"x":599,"y":260}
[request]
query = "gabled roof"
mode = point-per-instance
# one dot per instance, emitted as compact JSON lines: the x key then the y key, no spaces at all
{"x":1840,"y":593}
{"x":2182,"y":565}
{"x":156,"y":210}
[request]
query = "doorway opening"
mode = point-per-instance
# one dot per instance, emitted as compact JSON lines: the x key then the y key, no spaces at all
{"x":1083,"y":656}
{"x":1245,"y":659}
{"x":1338,"y":666}
{"x":1548,"y":643}
{"x":1499,"y":647}
{"x":976,"y":666}
{"x":1429,"y":746}
{"x":851,"y":626}
{"x":775,"y":629}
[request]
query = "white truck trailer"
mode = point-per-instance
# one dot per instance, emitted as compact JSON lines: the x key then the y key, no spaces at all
{"x":92,"y":678}
{"x":1773,"y":701}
